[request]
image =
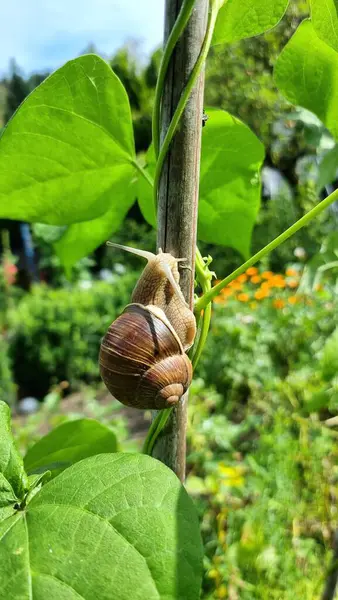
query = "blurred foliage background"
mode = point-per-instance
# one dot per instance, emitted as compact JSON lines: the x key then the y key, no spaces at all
{"x":262,"y":451}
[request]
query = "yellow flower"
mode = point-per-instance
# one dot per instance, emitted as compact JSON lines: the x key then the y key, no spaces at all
{"x":278,"y":303}
{"x":252,"y":271}
{"x":293,"y":283}
{"x":293,"y":300}
{"x":243,"y":297}
{"x":222,"y":591}
{"x":233,"y":475}
{"x":253,"y":305}
{"x":226,"y":292}
{"x":221,"y":536}
{"x":261,"y":294}
{"x":242,"y":278}
{"x":256,"y":279}
{"x":291,"y":273}
{"x":267,"y":275}
{"x":279,"y":283}
{"x":213,"y":574}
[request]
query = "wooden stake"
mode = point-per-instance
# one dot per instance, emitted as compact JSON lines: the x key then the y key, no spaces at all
{"x":178,"y":191}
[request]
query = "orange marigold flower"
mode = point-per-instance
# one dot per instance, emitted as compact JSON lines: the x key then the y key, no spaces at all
{"x":291,"y":273}
{"x":260,"y":294}
{"x":292,"y":300}
{"x":293,"y":283}
{"x":278,"y":303}
{"x":267,"y":274}
{"x":279,"y":283}
{"x":227,"y":292}
{"x":252,"y":271}
{"x":243,"y":297}
{"x":256,"y":279}
{"x":219,"y":300}
{"x":242,"y":278}
{"x":236,"y":285}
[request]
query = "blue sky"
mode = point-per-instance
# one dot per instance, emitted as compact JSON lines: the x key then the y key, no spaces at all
{"x":43,"y":34}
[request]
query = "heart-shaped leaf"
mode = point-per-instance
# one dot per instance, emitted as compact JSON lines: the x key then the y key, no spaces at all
{"x":60,"y":152}
{"x":324,"y":17}
{"x":239,"y":19}
{"x":112,"y":526}
{"x":11,"y":463}
{"x":230,"y":184}
{"x":306,"y":72}
{"x":80,"y":239}
{"x":67,"y":444}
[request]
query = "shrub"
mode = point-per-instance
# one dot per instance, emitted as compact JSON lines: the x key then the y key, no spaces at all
{"x":269,"y":338}
{"x":56,"y":333}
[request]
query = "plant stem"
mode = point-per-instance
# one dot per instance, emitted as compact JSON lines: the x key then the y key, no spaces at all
{"x":177,"y":188}
{"x":204,"y":277}
{"x":305,"y":220}
{"x":184,"y":98}
{"x":175,"y":34}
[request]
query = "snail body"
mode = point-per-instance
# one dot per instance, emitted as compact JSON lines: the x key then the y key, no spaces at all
{"x":142,"y":356}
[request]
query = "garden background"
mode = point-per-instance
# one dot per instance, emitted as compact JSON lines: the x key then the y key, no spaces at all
{"x":262,"y":452}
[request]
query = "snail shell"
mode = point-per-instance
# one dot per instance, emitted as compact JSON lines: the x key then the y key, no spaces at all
{"x":142,"y":360}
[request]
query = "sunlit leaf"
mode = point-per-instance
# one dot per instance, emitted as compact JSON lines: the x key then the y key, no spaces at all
{"x":67,"y":444}
{"x":324,"y":17}
{"x":230,"y":183}
{"x":113,"y":526}
{"x":80,"y":239}
{"x":60,"y":151}
{"x":306,"y":72}
{"x":239,"y":19}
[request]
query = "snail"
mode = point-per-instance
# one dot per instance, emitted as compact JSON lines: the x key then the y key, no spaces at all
{"x":143,"y":360}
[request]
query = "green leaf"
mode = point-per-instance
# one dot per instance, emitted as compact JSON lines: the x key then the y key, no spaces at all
{"x":239,"y":19}
{"x":11,"y":463}
{"x":324,"y":17}
{"x":60,"y":151}
{"x":229,"y":195}
{"x":80,"y":239}
{"x":229,"y":182}
{"x":145,"y":194}
{"x":115,"y":526}
{"x":67,"y":444}
{"x":328,"y":168}
{"x":306,"y":72}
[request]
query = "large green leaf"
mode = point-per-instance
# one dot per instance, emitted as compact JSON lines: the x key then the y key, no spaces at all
{"x":60,"y":151}
{"x":80,"y":239}
{"x":145,"y":195}
{"x":324,"y":17}
{"x":115,"y":526}
{"x":11,"y":463}
{"x":229,"y":182}
{"x":239,"y":19}
{"x":306,"y":72}
{"x":328,"y":168}
{"x":67,"y":444}
{"x":230,"y":186}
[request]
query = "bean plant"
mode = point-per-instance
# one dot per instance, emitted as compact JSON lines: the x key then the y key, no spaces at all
{"x":77,"y":518}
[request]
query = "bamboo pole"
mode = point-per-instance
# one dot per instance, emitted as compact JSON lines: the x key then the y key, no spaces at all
{"x":178,"y":191}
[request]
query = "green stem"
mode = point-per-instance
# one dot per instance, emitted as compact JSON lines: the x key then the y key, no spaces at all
{"x":213,"y":292}
{"x":175,"y":34}
{"x":155,"y":428}
{"x":184,"y":98}
{"x":204,"y":278}
{"x":143,"y":172}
